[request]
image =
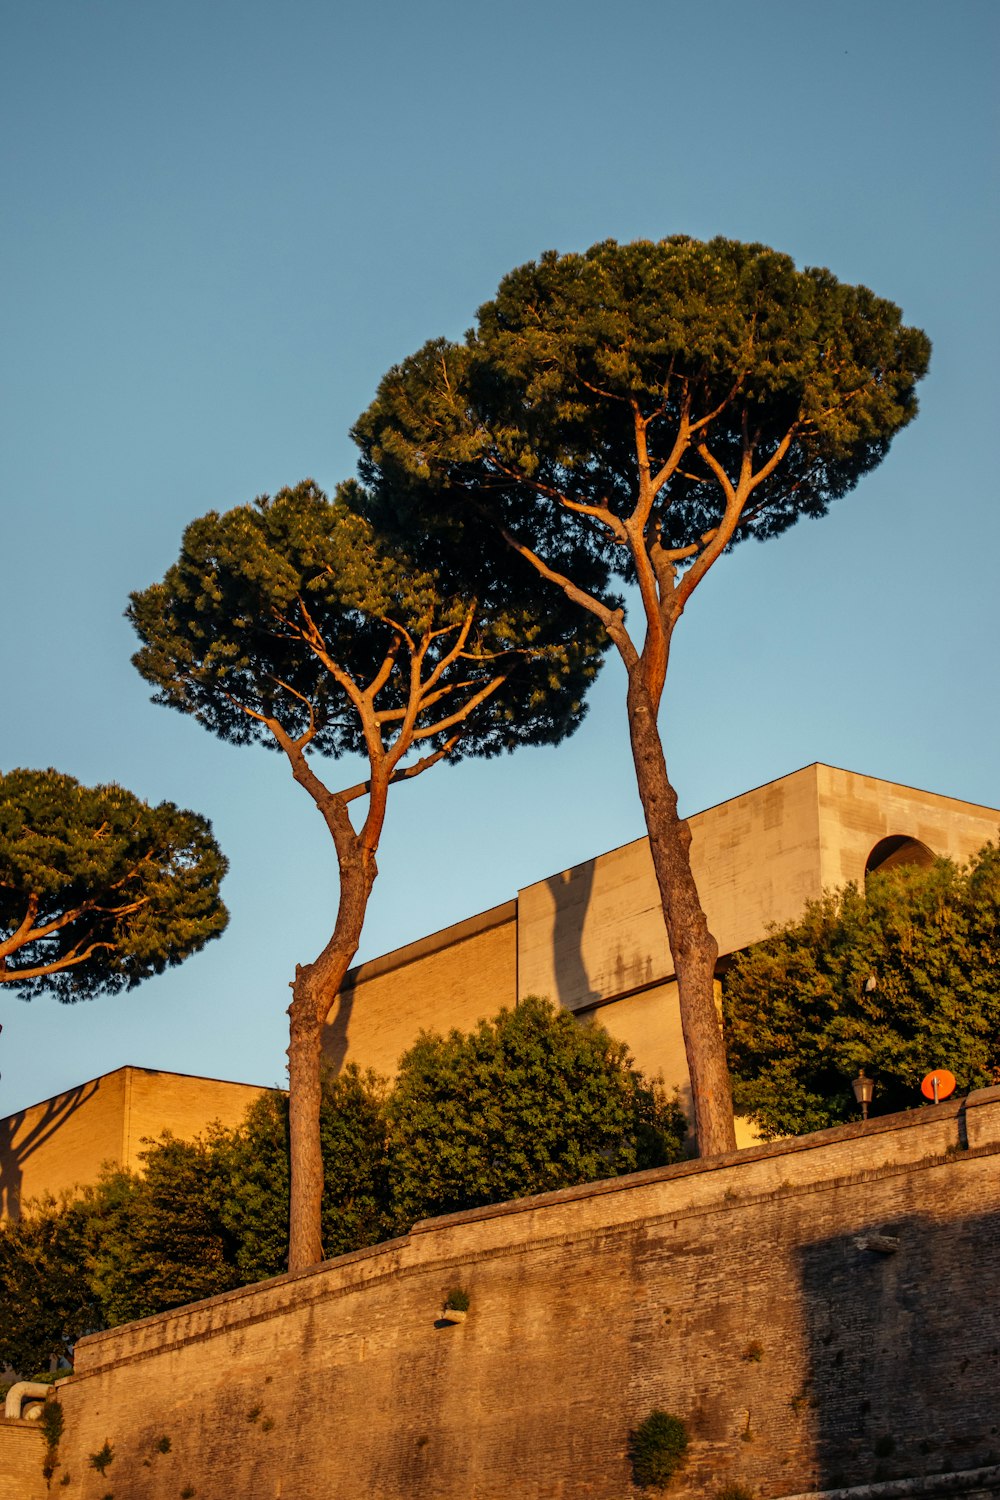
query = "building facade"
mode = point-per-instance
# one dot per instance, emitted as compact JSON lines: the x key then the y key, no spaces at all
{"x":591,"y":938}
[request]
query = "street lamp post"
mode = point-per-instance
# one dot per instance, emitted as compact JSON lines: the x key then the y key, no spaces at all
{"x":863,"y":1089}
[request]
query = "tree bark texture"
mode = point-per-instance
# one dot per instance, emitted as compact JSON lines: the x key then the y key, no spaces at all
{"x":313,"y":992}
{"x":692,"y":946}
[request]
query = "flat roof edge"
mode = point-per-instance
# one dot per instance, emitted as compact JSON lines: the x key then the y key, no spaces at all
{"x":434,"y":942}
{"x":75,"y":1088}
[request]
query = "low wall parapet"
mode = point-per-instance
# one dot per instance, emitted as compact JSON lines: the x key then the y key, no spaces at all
{"x":820,"y":1311}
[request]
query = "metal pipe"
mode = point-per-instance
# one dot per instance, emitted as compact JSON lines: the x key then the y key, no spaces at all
{"x":19,"y":1393}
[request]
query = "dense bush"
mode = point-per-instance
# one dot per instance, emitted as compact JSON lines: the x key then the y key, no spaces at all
{"x":532,"y":1100}
{"x":47,"y":1302}
{"x":802,"y":1016}
{"x":656,"y":1450}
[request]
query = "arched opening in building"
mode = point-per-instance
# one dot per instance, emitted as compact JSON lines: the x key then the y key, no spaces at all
{"x":896,"y":851}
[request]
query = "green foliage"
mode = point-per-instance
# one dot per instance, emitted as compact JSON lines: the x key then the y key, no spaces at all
{"x":254,"y":1165}
{"x":51,"y":1422}
{"x":47,"y":1303}
{"x":801,"y":1022}
{"x":534,"y":1100}
{"x":736,"y":1491}
{"x":162,"y":1239}
{"x":208,"y":1215}
{"x":102,"y":1458}
{"x":531,"y":1101}
{"x":98,"y":890}
{"x":656,"y":1449}
{"x":721,"y":347}
{"x":285,"y":610}
{"x":457,"y":1300}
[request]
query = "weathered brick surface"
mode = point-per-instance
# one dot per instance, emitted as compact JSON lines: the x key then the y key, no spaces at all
{"x":736,"y":1294}
{"x":22,"y":1449}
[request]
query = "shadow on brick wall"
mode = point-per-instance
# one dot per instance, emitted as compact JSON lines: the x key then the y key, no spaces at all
{"x":19,"y":1140}
{"x":902,"y":1330}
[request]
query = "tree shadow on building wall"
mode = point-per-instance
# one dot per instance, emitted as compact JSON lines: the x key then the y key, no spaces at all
{"x":571,"y":891}
{"x":337,"y":1027}
{"x":19,"y":1140}
{"x":902,"y":1330}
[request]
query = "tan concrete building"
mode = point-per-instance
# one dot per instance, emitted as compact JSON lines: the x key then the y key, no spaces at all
{"x":63,"y":1142}
{"x":591,"y":938}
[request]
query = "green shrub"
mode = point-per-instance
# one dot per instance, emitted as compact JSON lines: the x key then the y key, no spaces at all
{"x":531,"y":1101}
{"x":457,"y":1300}
{"x":102,"y":1457}
{"x":656,"y":1449}
{"x":51,"y":1422}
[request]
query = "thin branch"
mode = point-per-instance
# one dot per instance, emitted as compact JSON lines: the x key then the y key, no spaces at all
{"x":363,"y":788}
{"x":460,"y":715}
{"x":15,"y":975}
{"x":598,"y":512}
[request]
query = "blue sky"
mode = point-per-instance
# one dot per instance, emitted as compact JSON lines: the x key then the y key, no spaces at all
{"x":223,"y":221}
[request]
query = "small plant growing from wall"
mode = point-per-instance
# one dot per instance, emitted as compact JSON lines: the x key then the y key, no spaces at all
{"x":51,"y":1423}
{"x":102,"y":1458}
{"x":456,"y":1305}
{"x":656,"y":1449}
{"x":163,"y":1444}
{"x":753,"y":1353}
{"x":736,"y":1491}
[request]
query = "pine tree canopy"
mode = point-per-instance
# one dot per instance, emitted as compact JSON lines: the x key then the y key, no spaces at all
{"x":661,"y":382}
{"x":295,"y":611}
{"x":98,"y":890}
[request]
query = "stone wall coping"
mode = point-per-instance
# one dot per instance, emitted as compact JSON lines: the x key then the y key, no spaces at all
{"x":958,"y":1483}
{"x":921,"y":1139}
{"x":696,"y":1166}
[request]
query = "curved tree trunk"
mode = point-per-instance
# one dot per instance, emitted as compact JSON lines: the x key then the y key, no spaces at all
{"x":692,"y":946}
{"x":313,"y":992}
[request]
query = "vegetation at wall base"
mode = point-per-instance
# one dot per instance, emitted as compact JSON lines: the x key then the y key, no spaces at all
{"x":656,"y":1449}
{"x":295,"y":624}
{"x":803,"y":1016}
{"x":530,"y":1101}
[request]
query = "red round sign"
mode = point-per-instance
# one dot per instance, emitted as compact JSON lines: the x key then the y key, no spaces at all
{"x":938,"y":1085}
